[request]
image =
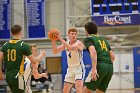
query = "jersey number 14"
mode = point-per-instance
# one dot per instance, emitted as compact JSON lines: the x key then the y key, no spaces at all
{"x":103,"y":45}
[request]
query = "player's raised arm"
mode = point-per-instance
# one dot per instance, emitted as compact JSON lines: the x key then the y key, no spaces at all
{"x":52,"y":34}
{"x":75,"y":46}
{"x":56,"y":49}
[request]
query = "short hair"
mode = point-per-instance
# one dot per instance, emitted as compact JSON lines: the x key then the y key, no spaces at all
{"x":72,"y":30}
{"x":91,"y":27}
{"x":32,"y":45}
{"x":15,"y":29}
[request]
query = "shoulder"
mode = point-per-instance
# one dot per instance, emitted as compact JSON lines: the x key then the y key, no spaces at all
{"x":25,"y":45}
{"x":78,"y":41}
{"x":4,"y":46}
{"x":6,"y":43}
{"x":21,"y":43}
{"x":89,"y":38}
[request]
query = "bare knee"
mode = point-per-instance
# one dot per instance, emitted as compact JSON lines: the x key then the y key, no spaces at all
{"x":99,"y":91}
{"x":79,"y":86}
{"x":79,"y":90}
{"x":86,"y":90}
{"x":65,"y":90}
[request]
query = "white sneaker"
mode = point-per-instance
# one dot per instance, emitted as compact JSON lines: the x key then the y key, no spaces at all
{"x":49,"y":90}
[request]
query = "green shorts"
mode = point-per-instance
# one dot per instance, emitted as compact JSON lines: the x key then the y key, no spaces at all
{"x":105,"y":72}
{"x":13,"y":83}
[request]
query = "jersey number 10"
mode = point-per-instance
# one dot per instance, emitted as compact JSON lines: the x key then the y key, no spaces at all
{"x":11,"y":56}
{"x":103,"y":45}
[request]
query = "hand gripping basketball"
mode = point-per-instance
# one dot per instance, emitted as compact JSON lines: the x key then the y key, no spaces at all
{"x":52,"y":34}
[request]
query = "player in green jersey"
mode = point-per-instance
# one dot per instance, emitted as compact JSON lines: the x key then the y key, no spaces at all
{"x":13,"y":53}
{"x":102,"y":59}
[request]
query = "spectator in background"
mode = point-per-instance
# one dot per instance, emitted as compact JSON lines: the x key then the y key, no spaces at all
{"x":46,"y":81}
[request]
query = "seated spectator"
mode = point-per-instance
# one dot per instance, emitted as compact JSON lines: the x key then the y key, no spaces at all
{"x":46,"y":81}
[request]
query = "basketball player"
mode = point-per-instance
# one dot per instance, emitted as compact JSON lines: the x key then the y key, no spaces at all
{"x":74,"y":50}
{"x":12,"y":53}
{"x":102,"y":59}
{"x":30,"y":70}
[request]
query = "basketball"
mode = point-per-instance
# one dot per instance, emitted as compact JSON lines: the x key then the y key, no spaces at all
{"x":52,"y":34}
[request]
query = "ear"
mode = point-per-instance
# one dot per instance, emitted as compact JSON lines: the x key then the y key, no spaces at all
{"x":87,"y":33}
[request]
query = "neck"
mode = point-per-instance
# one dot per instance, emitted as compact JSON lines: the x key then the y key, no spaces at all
{"x":16,"y":37}
{"x":72,"y":41}
{"x":92,"y":34}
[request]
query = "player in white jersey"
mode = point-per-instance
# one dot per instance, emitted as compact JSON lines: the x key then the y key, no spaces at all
{"x":30,"y":70}
{"x":74,"y":50}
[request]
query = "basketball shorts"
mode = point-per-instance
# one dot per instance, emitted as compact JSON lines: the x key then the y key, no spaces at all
{"x":105,"y":72}
{"x":75,"y":73}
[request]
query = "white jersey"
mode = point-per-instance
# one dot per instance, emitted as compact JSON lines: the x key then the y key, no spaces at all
{"x":27,"y":75}
{"x":74,"y":58}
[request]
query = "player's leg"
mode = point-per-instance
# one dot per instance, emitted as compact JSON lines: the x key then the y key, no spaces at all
{"x":13,"y":84}
{"x":67,"y":87}
{"x":79,"y":86}
{"x":86,"y":90}
{"x":69,"y":80}
{"x":99,"y":91}
{"x":79,"y":77}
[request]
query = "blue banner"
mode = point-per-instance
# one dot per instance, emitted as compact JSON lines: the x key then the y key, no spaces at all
{"x":136,"y":56}
{"x":115,"y":12}
{"x":117,"y":20}
{"x":35,"y":18}
{"x":5,"y":18}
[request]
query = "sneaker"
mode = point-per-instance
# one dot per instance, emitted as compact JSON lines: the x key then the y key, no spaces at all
{"x":49,"y":90}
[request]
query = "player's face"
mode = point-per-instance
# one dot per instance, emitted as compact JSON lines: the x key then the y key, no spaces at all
{"x":72,"y":35}
{"x":34,"y":51}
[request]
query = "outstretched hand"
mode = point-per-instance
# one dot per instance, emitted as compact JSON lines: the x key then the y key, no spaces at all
{"x":43,"y":53}
{"x":94,"y":74}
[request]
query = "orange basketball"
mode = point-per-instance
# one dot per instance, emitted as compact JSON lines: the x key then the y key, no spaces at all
{"x":52,"y":34}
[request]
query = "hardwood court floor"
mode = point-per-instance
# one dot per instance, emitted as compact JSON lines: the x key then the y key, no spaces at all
{"x":108,"y":91}
{"x":123,"y":91}
{"x":114,"y":91}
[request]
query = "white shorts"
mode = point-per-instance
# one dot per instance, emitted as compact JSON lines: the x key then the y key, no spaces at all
{"x":75,"y":73}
